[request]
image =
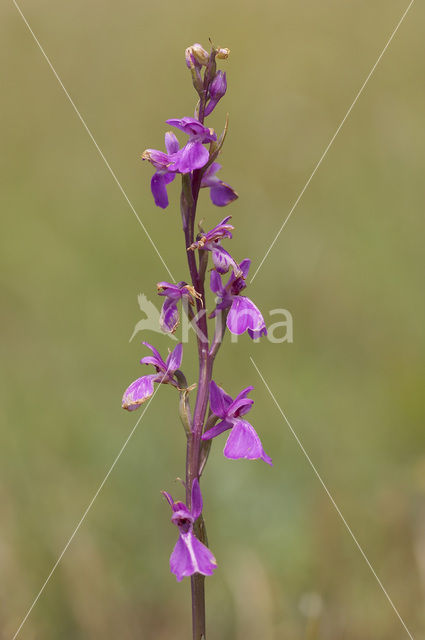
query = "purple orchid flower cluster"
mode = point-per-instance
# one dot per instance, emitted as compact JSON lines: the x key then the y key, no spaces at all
{"x":214,"y":411}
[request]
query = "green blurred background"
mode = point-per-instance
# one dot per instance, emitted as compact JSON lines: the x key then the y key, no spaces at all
{"x":349,"y":266}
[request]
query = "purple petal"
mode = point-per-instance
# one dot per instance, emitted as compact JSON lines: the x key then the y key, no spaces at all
{"x":158,"y":159}
{"x":209,"y":179}
{"x":244,"y":315}
{"x":217,"y":429}
{"x":244,"y":267}
{"x":191,"y":556}
{"x":174,"y":360}
{"x":168,"y":498}
{"x":240,"y":402}
{"x":180,"y":506}
{"x":216,"y":284}
{"x":204,"y":557}
{"x":170,"y":290}
{"x":240,"y":407}
{"x":222,"y":194}
{"x":223,"y":261}
{"x":257,"y":334}
{"x":182,"y":517}
{"x":156,"y":359}
{"x":196,"y":499}
{"x":154,"y":351}
{"x":151,"y":360}
{"x":181,"y":563}
{"x":220,"y":401}
{"x":193,"y":156}
{"x":243,"y":442}
{"x":191,"y":126}
{"x":138,"y":392}
{"x":171,"y":143}
{"x":159,"y":190}
{"x":169,"y":318}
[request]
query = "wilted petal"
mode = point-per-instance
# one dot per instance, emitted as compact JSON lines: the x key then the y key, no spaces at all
{"x":193,"y":156}
{"x":174,"y":360}
{"x":191,"y":556}
{"x":169,"y":318}
{"x":222,"y":194}
{"x":220,"y":401}
{"x":243,"y":442}
{"x":244,"y":315}
{"x":138,"y":392}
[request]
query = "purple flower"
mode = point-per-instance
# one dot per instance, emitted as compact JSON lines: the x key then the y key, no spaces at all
{"x":243,"y":314}
{"x":221,"y":194}
{"x":210,"y":241}
{"x":192,"y":156}
{"x":218,"y":88}
{"x":189,"y":555}
{"x":169,"y":318}
{"x":142,"y":389}
{"x":243,"y":441}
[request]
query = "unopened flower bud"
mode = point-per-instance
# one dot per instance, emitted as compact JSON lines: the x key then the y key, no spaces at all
{"x":222,"y":53}
{"x":196,"y":55}
{"x":218,"y":86}
{"x":217,"y":90}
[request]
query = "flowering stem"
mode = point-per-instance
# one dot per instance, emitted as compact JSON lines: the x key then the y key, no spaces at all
{"x":193,"y":462}
{"x":198,"y":167}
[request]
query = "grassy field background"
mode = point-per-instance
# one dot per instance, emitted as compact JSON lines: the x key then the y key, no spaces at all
{"x":349,"y":266}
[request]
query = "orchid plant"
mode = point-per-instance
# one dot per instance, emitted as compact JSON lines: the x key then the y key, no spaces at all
{"x":214,"y":411}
